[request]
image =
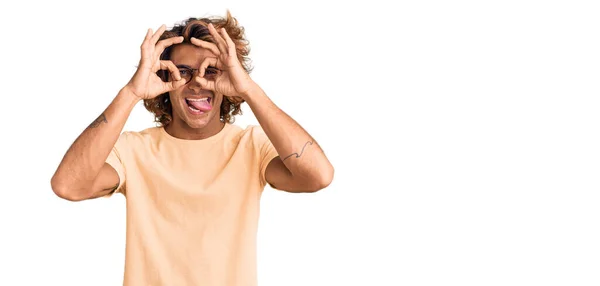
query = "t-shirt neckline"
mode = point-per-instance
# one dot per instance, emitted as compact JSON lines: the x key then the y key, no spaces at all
{"x":195,"y":141}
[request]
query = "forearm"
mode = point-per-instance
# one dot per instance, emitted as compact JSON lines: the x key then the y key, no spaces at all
{"x":299,"y":151}
{"x":86,"y":156}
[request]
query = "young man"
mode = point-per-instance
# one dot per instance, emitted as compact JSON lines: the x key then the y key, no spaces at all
{"x":193,"y":183}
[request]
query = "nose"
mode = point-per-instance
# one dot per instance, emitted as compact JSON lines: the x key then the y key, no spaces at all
{"x":195,"y":85}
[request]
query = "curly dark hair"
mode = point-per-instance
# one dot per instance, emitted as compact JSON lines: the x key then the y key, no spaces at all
{"x":160,"y":106}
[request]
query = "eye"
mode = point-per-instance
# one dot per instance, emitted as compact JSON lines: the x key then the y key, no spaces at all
{"x":211,"y":71}
{"x":184,"y":72}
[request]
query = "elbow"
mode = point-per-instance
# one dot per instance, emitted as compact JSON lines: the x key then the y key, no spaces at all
{"x":62,"y":191}
{"x":323,"y":180}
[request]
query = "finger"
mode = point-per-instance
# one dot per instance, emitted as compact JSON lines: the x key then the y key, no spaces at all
{"x":170,"y":66}
{"x":218,"y":39}
{"x":230,"y":44}
{"x":207,"y":62}
{"x":204,"y":83}
{"x":174,"y":84}
{"x":144,"y":48}
{"x":158,"y":33}
{"x":162,"y":45}
{"x":206,"y":45}
{"x":176,"y":80}
{"x":147,"y":37}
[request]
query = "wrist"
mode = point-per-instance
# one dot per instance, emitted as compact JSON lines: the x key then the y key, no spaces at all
{"x":252,"y":92}
{"x":128,"y":95}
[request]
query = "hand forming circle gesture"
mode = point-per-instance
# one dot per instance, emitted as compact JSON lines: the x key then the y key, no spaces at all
{"x":145,"y":83}
{"x":233,"y":80}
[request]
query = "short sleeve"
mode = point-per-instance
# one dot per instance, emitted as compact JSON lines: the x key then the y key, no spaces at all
{"x":115,"y":160}
{"x":267,"y":152}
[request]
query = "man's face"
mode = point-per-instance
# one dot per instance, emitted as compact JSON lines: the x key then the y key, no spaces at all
{"x":193,"y":105}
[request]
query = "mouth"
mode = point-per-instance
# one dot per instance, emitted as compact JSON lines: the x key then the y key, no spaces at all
{"x":199,"y":105}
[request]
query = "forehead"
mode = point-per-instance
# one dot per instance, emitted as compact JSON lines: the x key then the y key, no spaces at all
{"x":188,"y":54}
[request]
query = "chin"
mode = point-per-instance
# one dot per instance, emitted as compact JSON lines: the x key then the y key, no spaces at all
{"x":198,"y":120}
{"x":197,"y":123}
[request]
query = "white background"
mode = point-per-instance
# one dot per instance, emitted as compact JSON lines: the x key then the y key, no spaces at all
{"x":464,"y":137}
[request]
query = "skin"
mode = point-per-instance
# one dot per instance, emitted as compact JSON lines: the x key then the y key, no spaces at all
{"x":83,"y":173}
{"x":304,"y":168}
{"x":184,"y":124}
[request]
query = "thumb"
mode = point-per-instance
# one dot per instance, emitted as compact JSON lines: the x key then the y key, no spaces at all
{"x":205,"y":84}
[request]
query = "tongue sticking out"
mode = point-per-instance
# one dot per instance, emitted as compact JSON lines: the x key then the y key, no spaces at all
{"x":200,"y":105}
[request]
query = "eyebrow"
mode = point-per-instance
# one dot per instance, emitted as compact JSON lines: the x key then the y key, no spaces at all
{"x":188,"y":67}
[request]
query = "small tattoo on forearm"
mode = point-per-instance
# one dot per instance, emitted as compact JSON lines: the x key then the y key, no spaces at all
{"x":98,"y":120}
{"x":302,"y":151}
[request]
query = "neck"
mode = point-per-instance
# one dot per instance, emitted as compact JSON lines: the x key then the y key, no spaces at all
{"x":181,"y":130}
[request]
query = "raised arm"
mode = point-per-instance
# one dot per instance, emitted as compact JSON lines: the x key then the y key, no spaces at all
{"x":302,"y":165}
{"x":82,"y":173}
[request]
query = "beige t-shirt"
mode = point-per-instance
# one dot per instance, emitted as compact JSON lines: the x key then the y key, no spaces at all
{"x":192,"y":205}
